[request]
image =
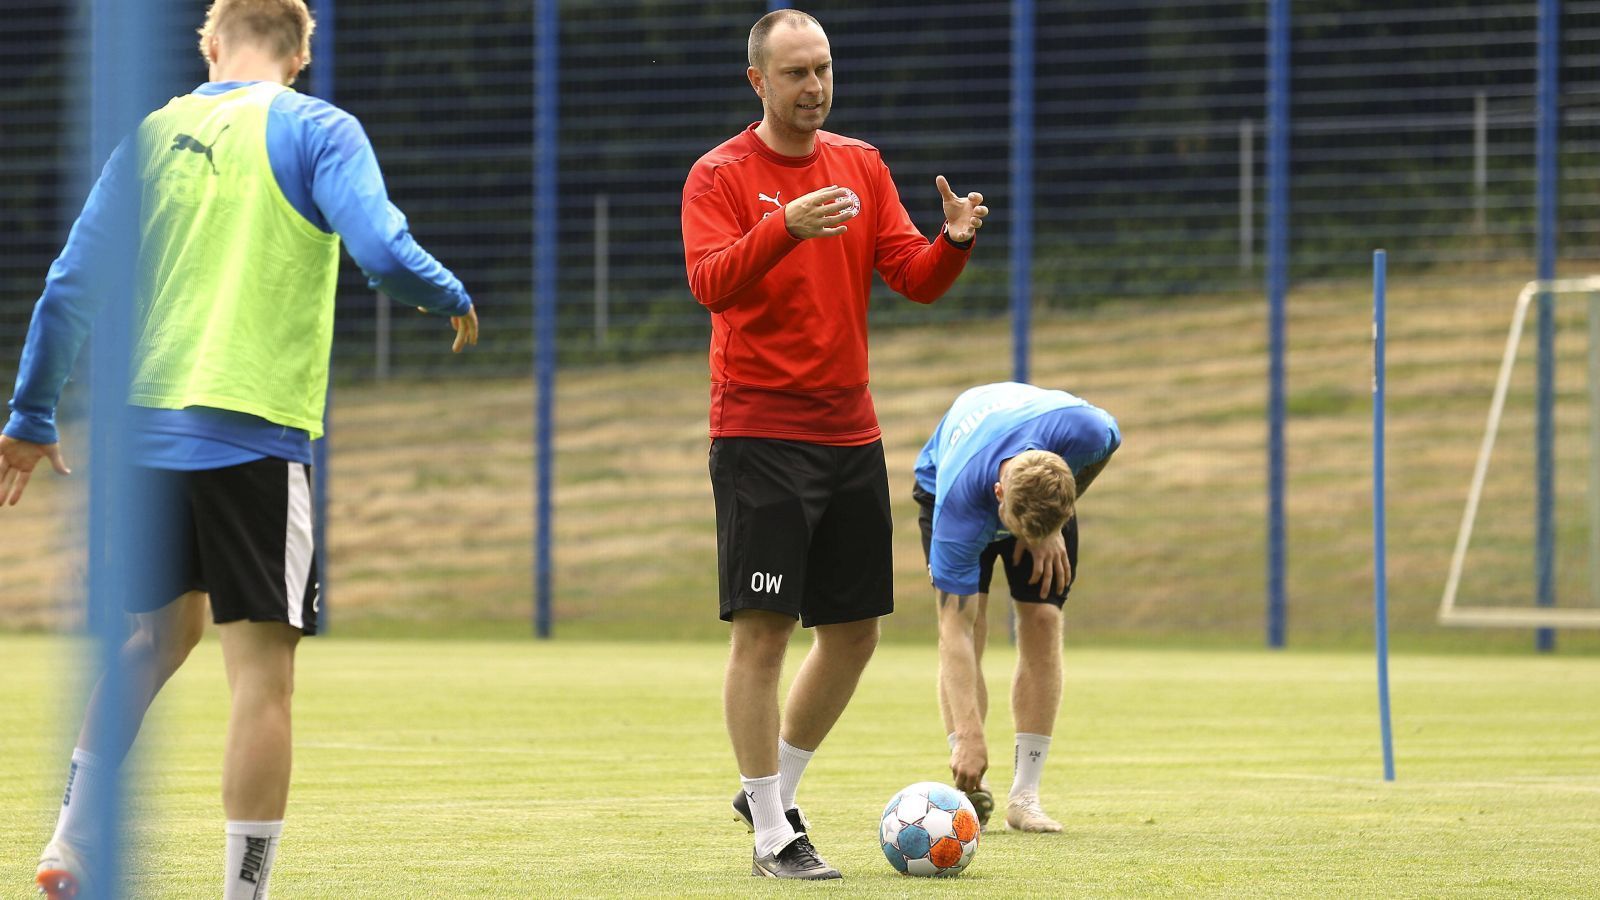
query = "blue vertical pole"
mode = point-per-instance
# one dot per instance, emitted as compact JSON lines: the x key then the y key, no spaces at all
{"x":114,"y":30}
{"x":1380,"y":563}
{"x":323,"y":46}
{"x":1021,"y":199}
{"x":1021,"y":203}
{"x":1277,"y":288}
{"x":546,"y":140}
{"x":1546,"y":154}
{"x":322,"y":85}
{"x":125,"y":82}
{"x":773,"y":5}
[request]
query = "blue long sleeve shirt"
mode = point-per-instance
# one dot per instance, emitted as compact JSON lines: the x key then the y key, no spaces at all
{"x":325,"y":166}
{"x":960,"y":464}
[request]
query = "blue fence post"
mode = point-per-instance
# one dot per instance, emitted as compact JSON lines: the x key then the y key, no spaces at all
{"x":1021,"y":199}
{"x":1021,"y":202}
{"x":1277,"y":288}
{"x":1380,"y":543}
{"x":322,"y":85}
{"x":546,"y":141}
{"x":1546,"y":152}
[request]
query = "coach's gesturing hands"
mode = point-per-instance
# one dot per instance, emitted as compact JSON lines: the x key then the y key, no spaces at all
{"x":963,"y":216}
{"x":821,"y":213}
{"x":17,"y":459}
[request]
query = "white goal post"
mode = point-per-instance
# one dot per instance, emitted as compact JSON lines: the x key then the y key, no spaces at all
{"x":1531,"y":616}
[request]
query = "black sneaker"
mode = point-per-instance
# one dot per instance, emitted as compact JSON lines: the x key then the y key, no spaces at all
{"x":741,"y":806}
{"x":982,"y":801}
{"x":798,"y":859}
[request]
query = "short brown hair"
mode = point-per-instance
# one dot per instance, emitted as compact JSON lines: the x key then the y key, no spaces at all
{"x":1040,"y":494}
{"x":756,"y":50}
{"x":282,"y":26}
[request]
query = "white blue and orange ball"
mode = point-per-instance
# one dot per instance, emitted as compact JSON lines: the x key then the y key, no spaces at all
{"x":929,"y":829}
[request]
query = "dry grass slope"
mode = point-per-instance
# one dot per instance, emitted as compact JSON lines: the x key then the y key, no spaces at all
{"x":431,"y":500}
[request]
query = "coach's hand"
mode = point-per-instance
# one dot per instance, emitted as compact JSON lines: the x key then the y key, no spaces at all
{"x":963,"y":216}
{"x":1052,"y":572}
{"x":17,"y":459}
{"x":820,"y":213}
{"x":968,"y":761}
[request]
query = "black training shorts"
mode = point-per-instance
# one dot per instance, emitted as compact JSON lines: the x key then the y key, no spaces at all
{"x":1017,"y":574}
{"x":803,"y":529}
{"x":241,"y":534}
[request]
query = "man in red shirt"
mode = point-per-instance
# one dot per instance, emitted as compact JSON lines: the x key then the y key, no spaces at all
{"x":783,"y":226}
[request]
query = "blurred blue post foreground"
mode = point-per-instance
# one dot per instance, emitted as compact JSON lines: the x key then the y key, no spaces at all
{"x":1380,"y":563}
{"x":547,"y":193}
{"x":1277,"y":287}
{"x":125,"y":83}
{"x":1546,"y":151}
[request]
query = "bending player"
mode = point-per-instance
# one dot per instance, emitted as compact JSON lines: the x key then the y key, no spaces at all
{"x":999,"y":480}
{"x":239,"y":193}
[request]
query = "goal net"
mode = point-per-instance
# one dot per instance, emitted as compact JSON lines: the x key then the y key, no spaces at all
{"x":1499,"y":581}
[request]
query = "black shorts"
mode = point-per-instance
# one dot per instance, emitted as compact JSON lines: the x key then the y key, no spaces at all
{"x":241,"y":534}
{"x":803,"y":529}
{"x":1017,"y":575}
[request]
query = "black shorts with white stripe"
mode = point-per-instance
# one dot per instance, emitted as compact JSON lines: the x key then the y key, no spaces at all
{"x":241,"y":534}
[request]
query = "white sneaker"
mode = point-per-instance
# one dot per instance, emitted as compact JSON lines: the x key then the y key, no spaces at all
{"x":1023,"y":813}
{"x":62,"y":875}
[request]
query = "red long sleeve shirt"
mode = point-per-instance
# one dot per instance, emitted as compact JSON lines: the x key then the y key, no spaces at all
{"x":789,"y":316}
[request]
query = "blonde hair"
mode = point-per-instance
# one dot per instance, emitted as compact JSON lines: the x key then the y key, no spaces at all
{"x":1040,"y":493}
{"x":283,"y":27}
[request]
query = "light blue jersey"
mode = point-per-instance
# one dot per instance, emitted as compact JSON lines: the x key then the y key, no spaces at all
{"x":961,"y":463}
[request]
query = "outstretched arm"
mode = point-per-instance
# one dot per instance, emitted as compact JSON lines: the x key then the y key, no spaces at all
{"x":910,"y":264}
{"x":96,"y":265}
{"x":348,"y":189}
{"x":958,"y":682}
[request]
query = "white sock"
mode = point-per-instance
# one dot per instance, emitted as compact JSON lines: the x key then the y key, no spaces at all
{"x":952,"y":741}
{"x":252,"y":846}
{"x":773,"y":831}
{"x":85,"y":781}
{"x":791,"y":765}
{"x":1032,"y":749}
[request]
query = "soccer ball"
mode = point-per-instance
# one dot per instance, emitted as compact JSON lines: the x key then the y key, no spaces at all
{"x":929,"y":829}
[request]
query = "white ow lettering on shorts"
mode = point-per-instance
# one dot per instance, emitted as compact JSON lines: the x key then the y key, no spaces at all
{"x":762,"y":583}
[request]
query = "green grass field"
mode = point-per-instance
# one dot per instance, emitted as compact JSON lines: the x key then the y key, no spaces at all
{"x":575,"y":769}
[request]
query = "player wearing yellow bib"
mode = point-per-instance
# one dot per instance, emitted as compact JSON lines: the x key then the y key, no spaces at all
{"x":232,"y":200}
